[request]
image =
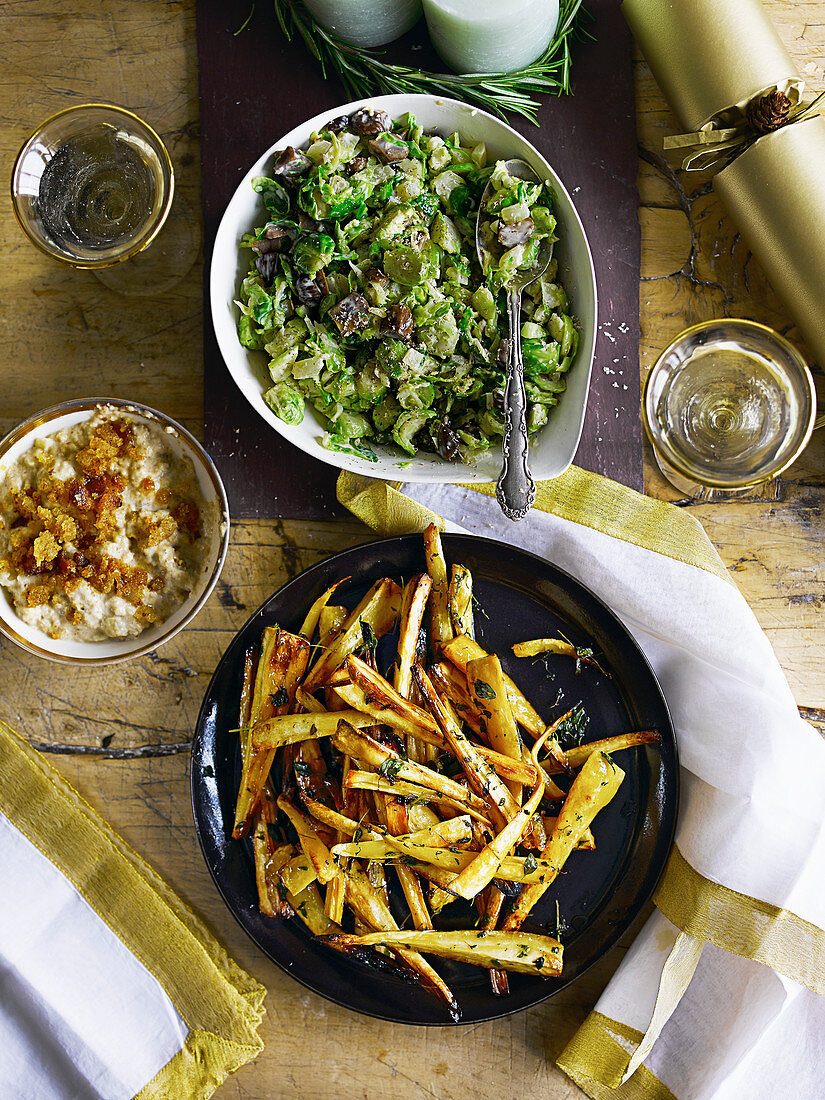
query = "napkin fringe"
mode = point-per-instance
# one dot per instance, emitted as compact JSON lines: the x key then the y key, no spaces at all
{"x":741,"y":924}
{"x":199,"y":1069}
{"x":597,"y":1056}
{"x":576,"y":495}
{"x":220,"y":1003}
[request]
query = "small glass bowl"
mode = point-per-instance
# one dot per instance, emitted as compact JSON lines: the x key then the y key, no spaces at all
{"x":730,"y":404}
{"x":78,"y":123}
{"x":112,"y":650}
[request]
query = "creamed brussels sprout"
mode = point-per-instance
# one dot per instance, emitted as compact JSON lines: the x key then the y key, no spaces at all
{"x":365,"y":291}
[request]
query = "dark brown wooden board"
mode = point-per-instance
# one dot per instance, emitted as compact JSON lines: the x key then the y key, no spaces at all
{"x":255,"y":86}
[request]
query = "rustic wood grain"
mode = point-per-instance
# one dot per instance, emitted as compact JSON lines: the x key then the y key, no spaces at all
{"x":63,"y":334}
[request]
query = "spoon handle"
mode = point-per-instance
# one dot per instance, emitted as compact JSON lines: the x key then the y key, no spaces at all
{"x":515,"y":490}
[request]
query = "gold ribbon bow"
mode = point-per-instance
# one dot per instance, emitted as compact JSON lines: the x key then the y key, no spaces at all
{"x":710,"y":146}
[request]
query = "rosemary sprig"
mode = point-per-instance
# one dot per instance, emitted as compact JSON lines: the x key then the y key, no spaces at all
{"x":363,"y":73}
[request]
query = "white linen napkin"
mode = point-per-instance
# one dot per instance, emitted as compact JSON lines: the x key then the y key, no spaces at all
{"x":109,"y":987}
{"x":721,"y":995}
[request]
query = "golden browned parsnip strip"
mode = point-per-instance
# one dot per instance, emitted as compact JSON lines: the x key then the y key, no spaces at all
{"x":280,"y":669}
{"x":441,"y":629}
{"x":591,"y":791}
{"x":367,"y":903}
{"x":362,"y":747}
{"x":416,"y":594}
{"x":330,"y":622}
{"x":334,"y":899}
{"x":308,"y":702}
{"x":483,"y":869}
{"x":523,"y":952}
{"x":288,"y":729}
{"x":314,"y":848}
{"x":378,"y":610}
{"x":268,"y":859}
{"x":247,"y":691}
{"x":485,"y":680}
{"x":370,"y":781}
{"x":522,"y":869}
{"x":313,"y":615}
{"x":451,"y":682}
{"x":252,"y":698}
{"x":365,"y":702}
{"x":451,"y":831}
{"x":481,"y":777}
{"x":310,"y":908}
{"x":460,"y":601}
{"x":398,"y":823}
{"x":297,"y":873}
{"x":490,"y":904}
{"x":576,"y":757}
{"x":537,"y":646}
{"x":340,"y":822}
{"x":416,"y":901}
{"x":519,"y":771}
{"x":559,"y":646}
{"x":463,"y":649}
{"x":386,"y":697}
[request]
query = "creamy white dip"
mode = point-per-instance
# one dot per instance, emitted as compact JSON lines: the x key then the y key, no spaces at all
{"x":103,"y":529}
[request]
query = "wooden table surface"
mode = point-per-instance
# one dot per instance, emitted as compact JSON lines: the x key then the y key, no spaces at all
{"x":64,"y":335}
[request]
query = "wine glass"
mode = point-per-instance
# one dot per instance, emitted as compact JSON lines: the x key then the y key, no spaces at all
{"x":729,"y":405}
{"x":92,"y":187}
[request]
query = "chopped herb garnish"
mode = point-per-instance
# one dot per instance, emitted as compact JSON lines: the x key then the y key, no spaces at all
{"x":279,"y":698}
{"x":530,"y":863}
{"x":539,"y":962}
{"x":390,"y":768}
{"x":572,"y":730}
{"x":369,"y":638}
{"x":483,"y":690}
{"x":302,"y":768}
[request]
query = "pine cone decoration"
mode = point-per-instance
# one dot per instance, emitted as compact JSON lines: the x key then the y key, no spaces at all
{"x":769,"y":112}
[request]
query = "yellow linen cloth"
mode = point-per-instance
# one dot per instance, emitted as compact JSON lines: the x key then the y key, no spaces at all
{"x":110,"y":987}
{"x":721,"y":994}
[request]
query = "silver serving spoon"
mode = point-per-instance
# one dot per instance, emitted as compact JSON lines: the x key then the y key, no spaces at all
{"x":515,"y":489}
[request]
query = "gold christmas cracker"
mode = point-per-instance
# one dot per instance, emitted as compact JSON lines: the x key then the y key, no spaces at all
{"x":713,"y":59}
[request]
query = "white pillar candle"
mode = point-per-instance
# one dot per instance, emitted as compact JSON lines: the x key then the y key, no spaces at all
{"x":366,"y":22}
{"x":490,"y":36}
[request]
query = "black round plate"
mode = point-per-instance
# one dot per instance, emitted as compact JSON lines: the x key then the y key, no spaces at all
{"x":520,"y":596}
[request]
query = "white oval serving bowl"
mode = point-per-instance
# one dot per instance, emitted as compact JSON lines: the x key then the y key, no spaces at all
{"x":551,"y":449}
{"x":112,"y":650}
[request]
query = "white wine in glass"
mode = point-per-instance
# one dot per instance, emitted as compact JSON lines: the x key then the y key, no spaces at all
{"x":728,"y":405}
{"x":93,"y":185}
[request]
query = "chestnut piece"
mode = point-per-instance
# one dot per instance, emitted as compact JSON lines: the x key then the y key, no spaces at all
{"x":516,"y":232}
{"x":388,"y":150}
{"x":308,"y":292}
{"x":291,"y":162}
{"x":357,"y":164}
{"x":276,"y":238}
{"x":447,"y":440}
{"x":337,"y":124}
{"x":351,"y":313}
{"x":267,"y":265}
{"x":366,"y":121}
{"x":398,"y":323}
